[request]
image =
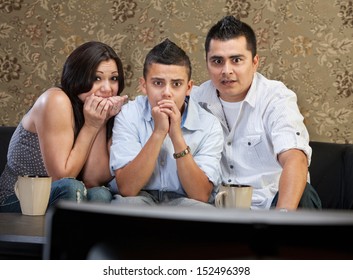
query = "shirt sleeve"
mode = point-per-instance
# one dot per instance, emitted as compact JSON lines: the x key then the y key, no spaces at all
{"x":209,"y":153}
{"x":286,"y":123}
{"x":125,"y":134}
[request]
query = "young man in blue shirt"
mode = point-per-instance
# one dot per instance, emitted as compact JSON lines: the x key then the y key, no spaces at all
{"x":166,"y":149}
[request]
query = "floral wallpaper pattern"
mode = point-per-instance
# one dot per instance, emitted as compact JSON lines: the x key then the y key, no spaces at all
{"x":307,"y":44}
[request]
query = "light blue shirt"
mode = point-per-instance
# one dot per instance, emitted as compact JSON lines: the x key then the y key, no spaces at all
{"x":202,"y":132}
{"x":268,"y":123}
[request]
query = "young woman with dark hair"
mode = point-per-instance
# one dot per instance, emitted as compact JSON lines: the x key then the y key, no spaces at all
{"x":67,"y":132}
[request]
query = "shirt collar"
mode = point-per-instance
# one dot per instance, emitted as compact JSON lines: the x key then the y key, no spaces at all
{"x":185,"y":113}
{"x":250,"y":97}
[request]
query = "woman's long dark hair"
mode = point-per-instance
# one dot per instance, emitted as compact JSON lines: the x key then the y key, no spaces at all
{"x":79,"y":74}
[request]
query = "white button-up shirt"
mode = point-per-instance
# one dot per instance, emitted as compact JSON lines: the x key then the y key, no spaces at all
{"x":269,"y":122}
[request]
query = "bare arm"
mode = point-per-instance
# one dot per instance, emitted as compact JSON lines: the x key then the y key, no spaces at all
{"x":134,"y":176}
{"x":192,"y":178}
{"x":53,"y":119}
{"x":96,"y":169}
{"x":293,"y":178}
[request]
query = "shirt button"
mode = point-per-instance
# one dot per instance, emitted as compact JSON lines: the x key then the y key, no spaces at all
{"x":229,"y":180}
{"x":249,"y":143}
{"x":231,"y":166}
{"x":298,"y":133}
{"x":229,"y":143}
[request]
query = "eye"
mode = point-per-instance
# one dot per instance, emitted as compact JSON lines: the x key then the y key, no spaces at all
{"x":96,"y":78}
{"x":237,"y":59}
{"x":177,"y":84}
{"x":217,"y":61}
{"x":157,"y":83}
{"x":115,"y":78}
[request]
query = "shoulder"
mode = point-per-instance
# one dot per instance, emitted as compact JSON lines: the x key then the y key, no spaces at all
{"x":53,"y":102}
{"x":272,"y":86}
{"x":202,"y":88}
{"x":56,"y":94}
{"x":135,"y":104}
{"x":202,"y":116}
{"x":134,"y":108}
{"x":204,"y":93}
{"x":268,"y":92}
{"x":53,"y":98}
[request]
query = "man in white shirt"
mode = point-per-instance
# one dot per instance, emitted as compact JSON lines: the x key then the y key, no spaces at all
{"x":266,"y":142}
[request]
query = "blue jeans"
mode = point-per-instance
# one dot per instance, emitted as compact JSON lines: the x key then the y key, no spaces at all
{"x":66,"y":189}
{"x":152,"y":198}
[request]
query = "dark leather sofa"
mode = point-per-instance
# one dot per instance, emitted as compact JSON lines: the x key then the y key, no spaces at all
{"x":331,"y":173}
{"x":331,"y":170}
{"x":5,"y":136}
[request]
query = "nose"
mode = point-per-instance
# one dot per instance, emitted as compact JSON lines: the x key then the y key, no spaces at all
{"x":167,"y":93}
{"x":227,"y":68}
{"x":105,"y":87}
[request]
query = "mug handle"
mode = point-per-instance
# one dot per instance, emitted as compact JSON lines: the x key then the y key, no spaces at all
{"x":219,"y":200}
{"x":16,"y":190}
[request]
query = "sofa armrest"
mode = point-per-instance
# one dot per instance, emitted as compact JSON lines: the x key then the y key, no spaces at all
{"x":331,"y":174}
{"x":5,"y":137}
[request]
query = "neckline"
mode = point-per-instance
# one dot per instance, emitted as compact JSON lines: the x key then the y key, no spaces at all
{"x":224,"y":114}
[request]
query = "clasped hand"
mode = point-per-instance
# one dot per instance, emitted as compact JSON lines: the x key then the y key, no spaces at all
{"x":98,"y":110}
{"x":167,"y":117}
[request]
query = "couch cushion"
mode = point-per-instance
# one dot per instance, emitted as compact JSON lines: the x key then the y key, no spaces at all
{"x":331,"y":174}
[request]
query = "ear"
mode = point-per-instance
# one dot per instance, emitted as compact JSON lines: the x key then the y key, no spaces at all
{"x":190,"y":84}
{"x":256,"y":62}
{"x":142,"y":85}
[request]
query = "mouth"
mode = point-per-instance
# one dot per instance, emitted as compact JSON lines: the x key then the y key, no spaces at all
{"x":228,"y":82}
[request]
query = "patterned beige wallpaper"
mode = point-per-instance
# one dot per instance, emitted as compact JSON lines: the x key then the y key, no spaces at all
{"x":307,"y":44}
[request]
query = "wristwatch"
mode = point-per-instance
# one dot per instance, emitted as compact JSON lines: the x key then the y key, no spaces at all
{"x":182,"y":153}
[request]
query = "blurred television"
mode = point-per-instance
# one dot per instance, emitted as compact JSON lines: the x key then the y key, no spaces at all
{"x":100,"y":231}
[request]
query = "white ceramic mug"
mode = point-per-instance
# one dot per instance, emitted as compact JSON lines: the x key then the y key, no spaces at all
{"x":33,"y":193}
{"x":234,"y":196}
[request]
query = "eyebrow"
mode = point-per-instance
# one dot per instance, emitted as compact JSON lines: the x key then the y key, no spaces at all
{"x":222,"y":57}
{"x":173,"y":80}
{"x":215,"y":57}
{"x":114,"y":72}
